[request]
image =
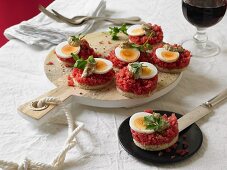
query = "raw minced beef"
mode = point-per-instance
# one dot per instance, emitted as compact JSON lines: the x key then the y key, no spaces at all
{"x":126,"y":82}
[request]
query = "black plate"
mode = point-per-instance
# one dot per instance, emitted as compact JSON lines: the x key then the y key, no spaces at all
{"x":193,"y":134}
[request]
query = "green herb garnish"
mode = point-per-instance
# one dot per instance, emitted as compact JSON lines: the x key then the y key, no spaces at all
{"x":148,"y":30}
{"x":144,"y":47}
{"x":168,"y":47}
{"x":135,"y":68}
{"x":75,"y":40}
{"x":155,"y":122}
{"x":75,"y":56}
{"x":91,"y":60}
{"x":81,"y":63}
{"x":113,"y":31}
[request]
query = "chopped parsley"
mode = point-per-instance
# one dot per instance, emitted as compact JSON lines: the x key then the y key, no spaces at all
{"x":113,"y":31}
{"x":155,"y":122}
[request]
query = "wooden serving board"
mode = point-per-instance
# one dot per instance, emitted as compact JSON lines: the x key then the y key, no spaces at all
{"x":101,"y":42}
{"x":108,"y":97}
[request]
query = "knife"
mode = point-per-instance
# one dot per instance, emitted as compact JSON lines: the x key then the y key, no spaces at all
{"x":200,"y":111}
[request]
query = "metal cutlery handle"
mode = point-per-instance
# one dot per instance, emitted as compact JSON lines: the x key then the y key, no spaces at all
{"x":216,"y":99}
{"x":108,"y":18}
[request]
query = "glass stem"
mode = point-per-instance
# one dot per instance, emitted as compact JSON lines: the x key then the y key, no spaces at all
{"x":200,"y":37}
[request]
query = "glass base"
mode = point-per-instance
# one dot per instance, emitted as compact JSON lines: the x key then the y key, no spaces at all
{"x":208,"y":49}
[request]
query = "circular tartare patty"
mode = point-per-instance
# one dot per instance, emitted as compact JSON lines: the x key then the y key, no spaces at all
{"x":177,"y":66}
{"x":157,"y":38}
{"x":92,"y":81}
{"x":126,"y":82}
{"x":144,"y":57}
{"x":155,"y":140}
{"x":85,"y":52}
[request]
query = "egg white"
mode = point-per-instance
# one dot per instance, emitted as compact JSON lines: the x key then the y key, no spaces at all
{"x":58,"y":50}
{"x":133,"y":27}
{"x":158,"y":53}
{"x":118,"y":54}
{"x":133,"y":126}
{"x":153,"y":69}
{"x":107,"y":69}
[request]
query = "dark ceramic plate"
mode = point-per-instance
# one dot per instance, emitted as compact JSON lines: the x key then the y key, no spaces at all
{"x":191,"y":135}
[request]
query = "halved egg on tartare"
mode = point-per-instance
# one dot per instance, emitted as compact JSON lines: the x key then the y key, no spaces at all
{"x":153,"y":131}
{"x":92,"y":74}
{"x":140,"y":34}
{"x":124,"y":54}
{"x":138,"y":79}
{"x":75,"y":45}
{"x":170,"y":58}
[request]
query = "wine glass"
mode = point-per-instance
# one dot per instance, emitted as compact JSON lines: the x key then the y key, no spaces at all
{"x":203,"y":14}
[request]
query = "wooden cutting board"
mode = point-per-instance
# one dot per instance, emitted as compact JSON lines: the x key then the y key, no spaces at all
{"x":108,"y":97}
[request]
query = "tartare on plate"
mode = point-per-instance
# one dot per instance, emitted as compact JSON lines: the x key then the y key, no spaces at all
{"x":140,"y":34}
{"x":170,"y":58}
{"x":127,"y":53}
{"x":138,"y":79}
{"x":75,"y":45}
{"x":153,"y":131}
{"x":91,"y":74}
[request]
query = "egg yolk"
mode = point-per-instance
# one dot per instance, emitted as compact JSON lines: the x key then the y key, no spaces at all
{"x":146,"y":71}
{"x":68,"y":49}
{"x":128,"y":54}
{"x":139,"y":123}
{"x":100,"y":65}
{"x":138,"y":31}
{"x":169,"y":55}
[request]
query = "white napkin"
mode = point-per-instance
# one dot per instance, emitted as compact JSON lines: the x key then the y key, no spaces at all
{"x":45,"y":32}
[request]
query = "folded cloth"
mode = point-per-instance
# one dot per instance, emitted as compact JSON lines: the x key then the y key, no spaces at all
{"x":46,"y":32}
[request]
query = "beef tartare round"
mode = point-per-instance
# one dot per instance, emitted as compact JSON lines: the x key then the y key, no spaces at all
{"x":152,"y":131}
{"x":170,"y":58}
{"x":140,"y":34}
{"x":95,"y":74}
{"x":66,"y":51}
{"x":135,"y":80}
{"x":94,"y":81}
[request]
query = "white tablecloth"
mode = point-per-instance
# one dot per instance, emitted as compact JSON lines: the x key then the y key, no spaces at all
{"x":23,"y":78}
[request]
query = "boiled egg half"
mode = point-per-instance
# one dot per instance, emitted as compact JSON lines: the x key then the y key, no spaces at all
{"x":64,"y":50}
{"x":136,"y":30}
{"x":166,"y":56}
{"x":137,"y":123}
{"x":127,"y":54}
{"x":148,"y":70}
{"x":102,"y":66}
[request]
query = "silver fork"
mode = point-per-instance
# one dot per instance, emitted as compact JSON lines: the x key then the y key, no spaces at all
{"x":49,"y":14}
{"x":78,"y":20}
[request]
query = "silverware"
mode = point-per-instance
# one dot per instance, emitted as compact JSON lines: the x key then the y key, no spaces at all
{"x":201,"y":111}
{"x":48,"y":13}
{"x":217,"y":99}
{"x":78,"y":20}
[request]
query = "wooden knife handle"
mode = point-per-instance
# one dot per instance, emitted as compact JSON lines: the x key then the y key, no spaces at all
{"x":62,"y":93}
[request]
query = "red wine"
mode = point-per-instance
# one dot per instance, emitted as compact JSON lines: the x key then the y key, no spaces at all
{"x":203,"y":13}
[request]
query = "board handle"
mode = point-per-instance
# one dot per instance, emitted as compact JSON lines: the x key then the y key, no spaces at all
{"x":30,"y":108}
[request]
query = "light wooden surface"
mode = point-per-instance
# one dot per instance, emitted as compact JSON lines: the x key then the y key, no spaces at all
{"x":62,"y":92}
